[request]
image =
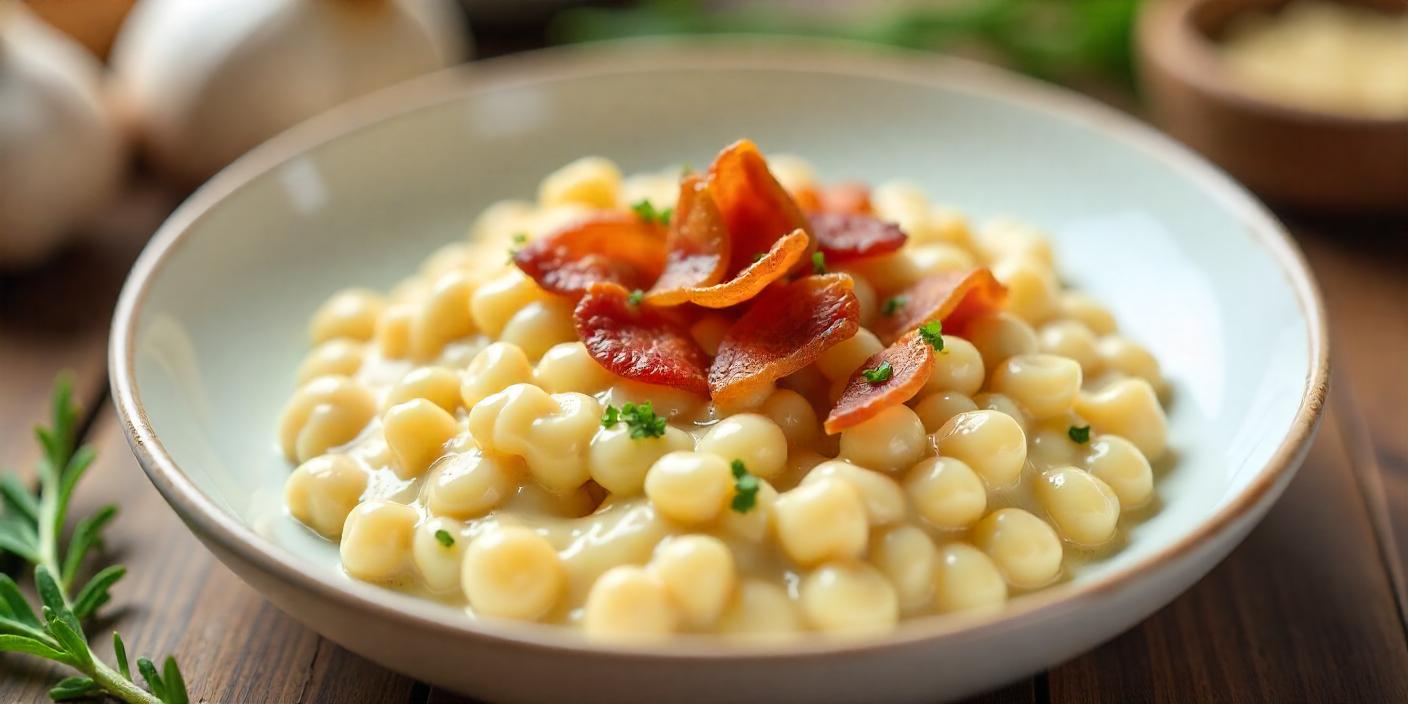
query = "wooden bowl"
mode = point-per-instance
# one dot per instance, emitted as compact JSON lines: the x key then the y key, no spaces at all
{"x":1285,"y":153}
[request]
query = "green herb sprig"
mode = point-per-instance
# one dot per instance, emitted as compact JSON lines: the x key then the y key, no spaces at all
{"x":818,"y":262}
{"x":932,"y":332}
{"x":31,"y":528}
{"x":639,"y":417}
{"x":879,"y":374}
{"x":519,"y":239}
{"x":745,"y":488}
{"x":646,"y":211}
{"x":1079,"y":434}
{"x":894,"y":304}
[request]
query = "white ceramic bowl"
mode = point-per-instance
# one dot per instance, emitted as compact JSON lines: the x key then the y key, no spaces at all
{"x":210,"y":329}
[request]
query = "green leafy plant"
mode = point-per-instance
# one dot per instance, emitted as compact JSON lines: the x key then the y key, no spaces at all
{"x":1052,"y":39}
{"x":31,"y":528}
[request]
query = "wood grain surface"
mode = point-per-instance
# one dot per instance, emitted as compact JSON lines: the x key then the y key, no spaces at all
{"x":1309,"y":608}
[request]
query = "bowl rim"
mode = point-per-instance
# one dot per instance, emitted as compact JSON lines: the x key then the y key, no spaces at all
{"x":209,"y":521}
{"x":1166,"y":35}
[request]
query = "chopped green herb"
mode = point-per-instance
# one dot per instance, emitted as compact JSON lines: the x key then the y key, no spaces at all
{"x":759,"y":256}
{"x":1080,"y":434}
{"x":818,"y":263}
{"x":519,"y":239}
{"x":745,"y":488}
{"x":933,"y":333}
{"x":893,"y":305}
{"x":635,"y":297}
{"x":879,"y":374}
{"x":646,"y":211}
{"x":640,"y":418}
{"x":443,"y":537}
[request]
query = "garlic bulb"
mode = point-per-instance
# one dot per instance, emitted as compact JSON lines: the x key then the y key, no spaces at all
{"x":204,"y":81}
{"x":61,"y":156}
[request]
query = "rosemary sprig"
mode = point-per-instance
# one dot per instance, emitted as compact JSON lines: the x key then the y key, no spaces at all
{"x":31,"y":528}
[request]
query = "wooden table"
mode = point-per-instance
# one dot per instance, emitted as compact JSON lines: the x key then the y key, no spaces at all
{"x":1310,"y":608}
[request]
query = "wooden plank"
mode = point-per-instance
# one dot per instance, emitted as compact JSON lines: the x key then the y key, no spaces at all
{"x":1363,"y":273}
{"x":1301,"y":611}
{"x":52,"y":319}
{"x":1023,"y":692}
{"x":233,"y":645}
{"x":56,"y":318}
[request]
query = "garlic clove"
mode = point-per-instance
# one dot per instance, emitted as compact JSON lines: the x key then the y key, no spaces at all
{"x":61,"y":156}
{"x":204,"y":82}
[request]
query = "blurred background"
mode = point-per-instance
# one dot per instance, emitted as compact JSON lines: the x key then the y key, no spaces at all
{"x":113,"y":106}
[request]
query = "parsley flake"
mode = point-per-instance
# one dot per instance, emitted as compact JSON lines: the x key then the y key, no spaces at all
{"x":640,"y":418}
{"x":443,"y":537}
{"x":745,"y":488}
{"x":893,"y":305}
{"x":818,"y":262}
{"x":879,"y":374}
{"x":933,"y":333}
{"x":519,"y":239}
{"x":1079,"y":434}
{"x":646,"y":211}
{"x":635,"y":297}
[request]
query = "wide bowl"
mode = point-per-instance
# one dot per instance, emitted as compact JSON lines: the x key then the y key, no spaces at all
{"x":1318,"y":160}
{"x":211,"y":326}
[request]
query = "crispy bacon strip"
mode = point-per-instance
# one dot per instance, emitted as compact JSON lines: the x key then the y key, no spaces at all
{"x":852,"y":197}
{"x":911,"y":360}
{"x":756,"y":209}
{"x":846,"y":236}
{"x":779,"y":260}
{"x":808,"y":198}
{"x":952,"y":296}
{"x":639,"y":342}
{"x":618,"y":248}
{"x":785,"y":329}
{"x":698,"y":243}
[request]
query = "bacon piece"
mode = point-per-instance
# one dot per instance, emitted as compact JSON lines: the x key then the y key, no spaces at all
{"x":845,"y":236}
{"x":698,"y":243}
{"x":852,"y":197}
{"x":808,"y":198}
{"x":755,"y":207}
{"x":639,"y":342}
{"x":779,"y":260}
{"x":849,"y":197}
{"x":785,"y":329}
{"x":614,"y":247}
{"x":951,"y":296}
{"x":911,"y":361}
